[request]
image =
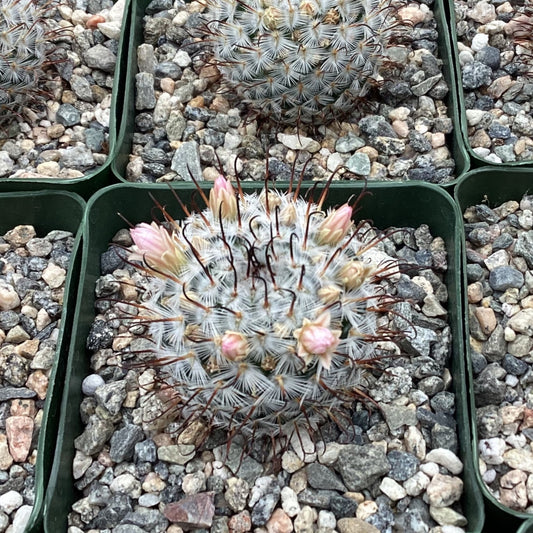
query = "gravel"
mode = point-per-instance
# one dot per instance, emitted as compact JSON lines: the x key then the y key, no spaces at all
{"x":501,"y":329}
{"x":184,"y":109}
{"x":397,"y":464}
{"x":31,"y":296}
{"x":67,"y":135}
{"x":497,"y":87}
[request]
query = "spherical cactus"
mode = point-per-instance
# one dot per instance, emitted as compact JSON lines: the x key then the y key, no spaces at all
{"x":301,"y":61}
{"x":262,"y":308}
{"x":24,"y":48}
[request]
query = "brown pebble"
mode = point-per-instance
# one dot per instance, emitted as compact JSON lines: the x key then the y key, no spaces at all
{"x":192,"y":512}
{"x":55,"y":131}
{"x":515,"y":498}
{"x":512,"y":478}
{"x":197,"y":101}
{"x":38,"y":382}
{"x":5,"y":457}
{"x":220,"y":104}
{"x":162,"y":439}
{"x":19,"y":430}
{"x":210,"y":73}
{"x":69,"y":97}
{"x":28,"y":348}
{"x":279,"y":522}
{"x":105,"y":459}
{"x":92,"y":22}
{"x":528,"y":418}
{"x":23,"y":407}
{"x":240,"y":522}
{"x":487,"y":319}
{"x":20,"y":235}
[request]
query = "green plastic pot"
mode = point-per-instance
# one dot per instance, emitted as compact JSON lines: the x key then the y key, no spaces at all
{"x":99,"y":178}
{"x":526,"y":527}
{"x":476,"y":161}
{"x":389,"y":205}
{"x":47,"y":211}
{"x":125,"y":136}
{"x":495,"y":185}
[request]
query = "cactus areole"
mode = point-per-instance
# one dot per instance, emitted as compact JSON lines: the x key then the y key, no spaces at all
{"x":301,"y":61}
{"x":262,"y":308}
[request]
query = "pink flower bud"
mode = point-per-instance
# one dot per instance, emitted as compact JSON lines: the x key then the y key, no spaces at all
{"x":222,"y":199}
{"x":335,"y":226}
{"x":317,"y":339}
{"x":234,"y":346}
{"x":157,"y":247}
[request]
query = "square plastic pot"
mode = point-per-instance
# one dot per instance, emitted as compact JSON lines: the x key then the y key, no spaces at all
{"x":495,"y":185}
{"x":462,"y":125}
{"x":389,"y":205}
{"x":47,"y":211}
{"x":125,"y":136}
{"x":99,"y":178}
{"x":526,"y":527}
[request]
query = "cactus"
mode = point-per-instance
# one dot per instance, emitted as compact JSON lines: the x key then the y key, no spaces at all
{"x":262,"y":309}
{"x":302,"y":61}
{"x":24,"y":51}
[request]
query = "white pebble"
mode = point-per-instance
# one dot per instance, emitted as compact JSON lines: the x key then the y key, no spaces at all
{"x":21,"y":519}
{"x":511,"y":380}
{"x":326,"y":519}
{"x":330,"y":454}
{"x":491,"y":450}
{"x":289,"y":501}
{"x":430,"y":469}
{"x":10,"y":501}
{"x":493,"y":158}
{"x":479,"y":41}
{"x":489,"y":476}
{"x":465,"y":57}
{"x":149,"y":500}
{"x":516,"y":441}
{"x":290,"y":462}
{"x":91,"y":383}
{"x":480,"y":151}
{"x":416,"y":484}
{"x":392,"y":489}
{"x":182,"y":59}
{"x":445,"y":458}
{"x":451,"y":529}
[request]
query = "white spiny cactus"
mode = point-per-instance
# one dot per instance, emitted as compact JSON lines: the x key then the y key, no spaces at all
{"x":301,"y":61}
{"x":262,"y":309}
{"x":24,"y":48}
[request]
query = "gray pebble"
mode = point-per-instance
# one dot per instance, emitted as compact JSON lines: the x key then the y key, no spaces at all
{"x":475,"y":75}
{"x":505,"y":277}
{"x":100,"y":57}
{"x":68,"y":115}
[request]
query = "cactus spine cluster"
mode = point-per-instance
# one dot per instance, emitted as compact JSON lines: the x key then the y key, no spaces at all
{"x":262,"y":309}
{"x":301,"y":61}
{"x":24,"y":50}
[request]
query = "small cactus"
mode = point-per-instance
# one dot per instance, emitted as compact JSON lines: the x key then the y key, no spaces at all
{"x":24,"y":52}
{"x":262,"y":309}
{"x":302,"y":61}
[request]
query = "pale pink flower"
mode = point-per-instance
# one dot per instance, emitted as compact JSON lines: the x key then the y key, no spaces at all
{"x":234,"y":346}
{"x":335,"y":226}
{"x":354,"y":273}
{"x":157,"y":247}
{"x":222,"y":199}
{"x":317,"y":339}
